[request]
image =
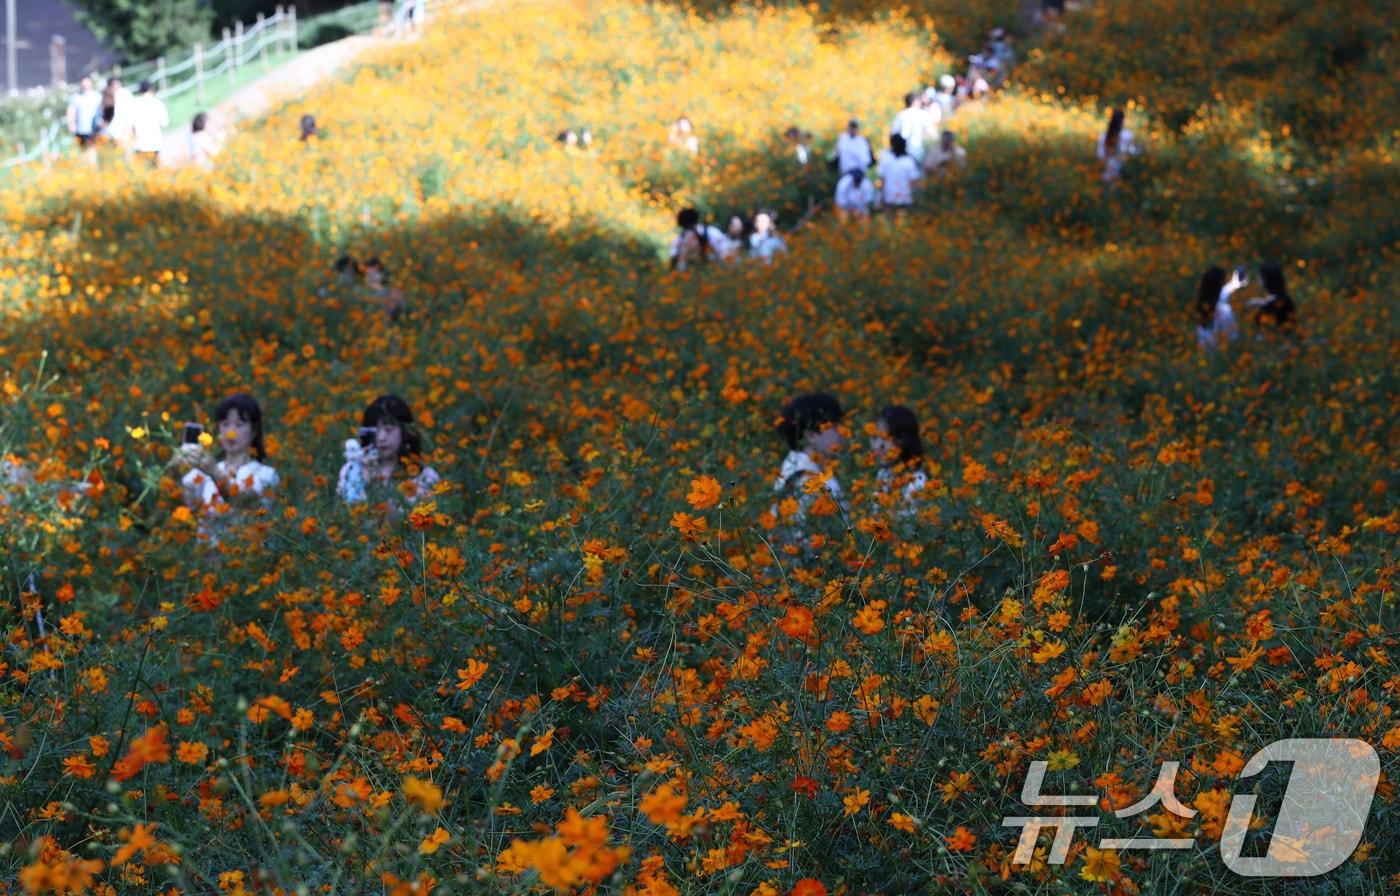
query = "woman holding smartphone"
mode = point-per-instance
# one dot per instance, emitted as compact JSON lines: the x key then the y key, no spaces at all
{"x":212,"y":486}
{"x":388,"y":450}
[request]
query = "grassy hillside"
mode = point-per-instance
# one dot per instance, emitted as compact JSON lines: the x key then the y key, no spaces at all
{"x":576,"y":668}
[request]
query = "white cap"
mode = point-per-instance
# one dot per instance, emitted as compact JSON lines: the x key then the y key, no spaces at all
{"x":947,"y":82}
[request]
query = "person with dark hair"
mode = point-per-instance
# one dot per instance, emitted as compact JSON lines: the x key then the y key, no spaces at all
{"x":1277,"y":307}
{"x":736,"y":234}
{"x":389,"y":298}
{"x":898,"y":174}
{"x":912,"y":124}
{"x":116,"y":99}
{"x":696,"y":243}
{"x":569,"y":141}
{"x":854,"y":195}
{"x":853,"y":150}
{"x":84,"y":117}
{"x":810,"y":428}
{"x":201,"y":142}
{"x":1215,"y":315}
{"x":389,"y":448}
{"x":946,"y":158}
{"x":210,"y":485}
{"x":899,"y":452}
{"x":308,"y":128}
{"x":1115,"y":146}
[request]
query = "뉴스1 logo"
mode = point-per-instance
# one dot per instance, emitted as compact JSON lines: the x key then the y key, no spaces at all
{"x":1320,"y":823}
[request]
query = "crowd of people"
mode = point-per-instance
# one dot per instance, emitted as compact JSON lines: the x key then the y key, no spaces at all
{"x":920,"y":148}
{"x":132,"y":122}
{"x":743,"y":237}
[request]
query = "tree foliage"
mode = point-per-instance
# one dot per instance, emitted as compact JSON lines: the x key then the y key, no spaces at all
{"x":145,"y":29}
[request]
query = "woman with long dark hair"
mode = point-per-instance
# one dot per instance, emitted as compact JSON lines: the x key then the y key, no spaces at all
{"x":388,"y":451}
{"x":810,"y":428}
{"x":899,"y":452}
{"x":240,"y":473}
{"x":1215,"y":316}
{"x":1276,"y":308}
{"x":1116,"y":144}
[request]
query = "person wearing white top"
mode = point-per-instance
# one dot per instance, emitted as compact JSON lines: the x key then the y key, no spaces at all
{"x":809,"y":426}
{"x":389,"y":448}
{"x":1116,"y":144}
{"x":897,"y":448}
{"x":1216,"y":316}
{"x":853,"y":150}
{"x":932,"y":116}
{"x":947,"y":97}
{"x":854,"y":195}
{"x":694,"y":244}
{"x":911,"y":124}
{"x":765,"y":242}
{"x":898,"y":174}
{"x":85,"y":118}
{"x":211,"y":487}
{"x":201,"y":142}
{"x":148,"y":120}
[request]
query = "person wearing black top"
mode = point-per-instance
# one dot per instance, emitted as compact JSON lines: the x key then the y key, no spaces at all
{"x":1277,"y":307}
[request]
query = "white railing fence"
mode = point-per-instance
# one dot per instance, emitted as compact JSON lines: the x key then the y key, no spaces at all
{"x":270,"y":36}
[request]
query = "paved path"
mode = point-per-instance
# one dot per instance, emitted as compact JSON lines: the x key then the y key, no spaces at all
{"x":276,"y":87}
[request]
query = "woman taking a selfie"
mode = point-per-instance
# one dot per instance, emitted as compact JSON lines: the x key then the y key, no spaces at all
{"x":212,"y":486}
{"x":388,"y":451}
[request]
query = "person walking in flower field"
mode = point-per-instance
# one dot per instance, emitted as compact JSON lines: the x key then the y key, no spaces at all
{"x":1116,"y":146}
{"x":85,"y":119}
{"x":148,"y":120}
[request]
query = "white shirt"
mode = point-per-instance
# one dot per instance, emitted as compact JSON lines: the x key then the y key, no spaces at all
{"x":932,"y":118}
{"x":86,"y":111}
{"x":1113,"y":162}
{"x":911,"y":124}
{"x":852,"y":152}
{"x":797,"y":466}
{"x":851,"y":198}
{"x":201,"y":149}
{"x":1223,"y":327}
{"x":352,"y":492}
{"x":253,"y":476}
{"x":148,"y":121}
{"x":119,"y":128}
{"x":912,"y":493}
{"x":898,"y":174}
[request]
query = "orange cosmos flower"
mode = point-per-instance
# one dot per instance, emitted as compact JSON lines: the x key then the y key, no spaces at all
{"x":797,"y":622}
{"x":151,"y":747}
{"x":961,"y":840}
{"x":704,"y":492}
{"x":663,"y":805}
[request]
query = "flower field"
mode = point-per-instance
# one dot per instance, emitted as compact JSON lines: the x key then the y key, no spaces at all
{"x":595,"y":660}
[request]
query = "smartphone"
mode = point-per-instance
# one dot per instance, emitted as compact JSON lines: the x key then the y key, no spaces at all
{"x":192,"y":433}
{"x":367,"y":436}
